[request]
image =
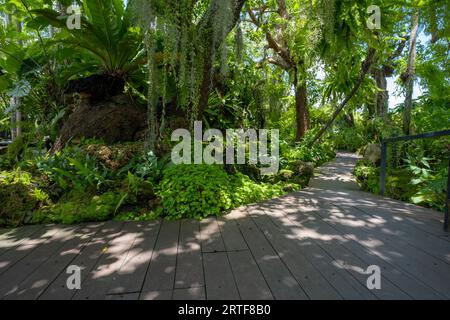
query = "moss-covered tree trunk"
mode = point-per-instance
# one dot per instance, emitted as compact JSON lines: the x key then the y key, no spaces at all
{"x":210,"y":39}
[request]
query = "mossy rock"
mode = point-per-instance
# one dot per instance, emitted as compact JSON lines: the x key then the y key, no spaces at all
{"x":284,"y":175}
{"x":250,"y":170}
{"x":78,"y":208}
{"x":302,"y":168}
{"x":116,"y":156}
{"x":118,"y":119}
{"x":20,"y":197}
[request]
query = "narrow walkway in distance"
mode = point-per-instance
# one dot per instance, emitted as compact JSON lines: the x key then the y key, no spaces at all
{"x":313,"y":244}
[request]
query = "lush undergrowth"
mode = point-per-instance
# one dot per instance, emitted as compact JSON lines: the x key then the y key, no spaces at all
{"x":92,"y":181}
{"x":416,"y":179}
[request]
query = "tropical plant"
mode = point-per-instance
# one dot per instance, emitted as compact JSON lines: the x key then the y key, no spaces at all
{"x":106,"y":33}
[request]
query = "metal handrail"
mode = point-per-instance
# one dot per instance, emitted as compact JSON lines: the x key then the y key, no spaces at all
{"x":5,"y":143}
{"x":384,"y":145}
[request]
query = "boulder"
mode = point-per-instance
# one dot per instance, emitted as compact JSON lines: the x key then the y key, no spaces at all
{"x":301,"y":168}
{"x":285,"y":175}
{"x":118,"y":119}
{"x":372,"y":154}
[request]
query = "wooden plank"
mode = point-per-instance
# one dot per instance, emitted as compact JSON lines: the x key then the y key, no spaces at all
{"x":33,"y":286}
{"x":11,"y":238}
{"x":210,"y":236}
{"x":432,"y":245}
{"x":161,"y":272}
{"x":280,"y":280}
{"x":332,"y":242}
{"x":124,"y":296}
{"x":86,"y":260}
{"x":249,"y":279}
{"x":100,"y":279}
{"x":422,"y":260}
{"x":409,"y":214}
{"x":220,"y":283}
{"x":397,"y":254}
{"x":302,"y":214}
{"x":311,"y":266}
{"x":421,"y":257}
{"x":195,"y":293}
{"x":131,"y":274}
{"x":232,"y":237}
{"x":13,"y":276}
{"x":20,"y":248}
{"x":189,"y":272}
{"x":156,"y":295}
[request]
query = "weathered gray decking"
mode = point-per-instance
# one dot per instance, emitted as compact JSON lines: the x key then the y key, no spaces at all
{"x":313,"y":244}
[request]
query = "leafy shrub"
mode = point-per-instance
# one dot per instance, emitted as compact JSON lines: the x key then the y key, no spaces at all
{"x":367,"y":176}
{"x":430,"y":184}
{"x":413,"y":183}
{"x":19,"y":197}
{"x":349,"y":139}
{"x":147,"y":166}
{"x":198,"y":191}
{"x":70,"y":169}
{"x":79,"y":207}
{"x":317,"y":154}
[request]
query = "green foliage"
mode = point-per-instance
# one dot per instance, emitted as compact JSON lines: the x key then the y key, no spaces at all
{"x":20,"y":196}
{"x":318,"y":154}
{"x":70,"y":169}
{"x":78,"y":208}
{"x":199,"y":191}
{"x":416,"y":182}
{"x":106,"y":33}
{"x":350,"y":139}
{"x":368,"y":176}
{"x":137,"y":216}
{"x":430,"y":185}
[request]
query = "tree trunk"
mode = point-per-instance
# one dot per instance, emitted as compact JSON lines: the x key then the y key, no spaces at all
{"x":349,"y":118}
{"x":365,"y":68}
{"x":18,"y":100}
{"x":302,"y":112}
{"x":409,"y":75}
{"x":209,"y":42}
{"x":382,"y":97}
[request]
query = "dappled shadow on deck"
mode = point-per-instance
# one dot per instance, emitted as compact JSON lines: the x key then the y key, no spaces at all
{"x":313,"y":244}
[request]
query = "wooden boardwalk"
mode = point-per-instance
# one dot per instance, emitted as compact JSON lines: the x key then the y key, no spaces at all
{"x":314,"y":244}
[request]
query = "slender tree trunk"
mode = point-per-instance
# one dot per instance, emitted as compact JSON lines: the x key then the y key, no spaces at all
{"x":349,"y":118}
{"x":365,"y":68}
{"x":408,"y":77}
{"x":16,"y":118}
{"x":18,"y":100}
{"x":11,"y":100}
{"x":382,"y":97}
{"x":301,"y":109}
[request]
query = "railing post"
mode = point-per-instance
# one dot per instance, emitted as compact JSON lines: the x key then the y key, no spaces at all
{"x":447,"y":201}
{"x":383,"y":168}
